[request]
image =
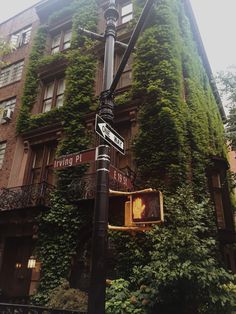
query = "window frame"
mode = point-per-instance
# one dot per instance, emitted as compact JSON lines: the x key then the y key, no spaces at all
{"x":3,"y":146}
{"x":14,"y":73}
{"x":61,"y":34}
{"x":46,"y":162}
{"x":217,"y":193}
{"x":9,"y":103}
{"x":123,"y":16}
{"x":55,"y":95}
{"x":22,"y":37}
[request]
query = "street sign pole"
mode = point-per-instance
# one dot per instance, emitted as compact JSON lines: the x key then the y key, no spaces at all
{"x":96,"y":301}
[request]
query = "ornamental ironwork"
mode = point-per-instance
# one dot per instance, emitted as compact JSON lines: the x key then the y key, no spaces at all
{"x":85,"y":188}
{"x":25,"y":196}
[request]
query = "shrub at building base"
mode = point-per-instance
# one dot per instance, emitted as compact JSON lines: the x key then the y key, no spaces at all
{"x":63,"y":297}
{"x":184,"y":271}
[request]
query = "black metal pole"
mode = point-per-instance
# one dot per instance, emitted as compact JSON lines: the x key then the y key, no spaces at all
{"x":96,"y":302}
{"x":131,"y":44}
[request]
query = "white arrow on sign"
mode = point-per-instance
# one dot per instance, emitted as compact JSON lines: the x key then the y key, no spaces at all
{"x":109,"y":134}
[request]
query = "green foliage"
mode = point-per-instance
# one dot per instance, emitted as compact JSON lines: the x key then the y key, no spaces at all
{"x":157,"y":78}
{"x":180,"y":126}
{"x":32,"y":81}
{"x":120,"y":300}
{"x":60,"y":225}
{"x":227,"y":83}
{"x":65,"y":298}
{"x":183,"y":270}
{"x":122,"y":99}
{"x":126,"y":243}
{"x":5,"y":49}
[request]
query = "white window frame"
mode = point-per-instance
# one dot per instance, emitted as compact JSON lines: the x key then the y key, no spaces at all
{"x":125,"y":17}
{"x":7,"y":104}
{"x":11,"y":74}
{"x":21,"y":37}
{"x":3,"y":146}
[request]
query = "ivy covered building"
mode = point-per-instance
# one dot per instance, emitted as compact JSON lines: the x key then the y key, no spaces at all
{"x":166,"y":107}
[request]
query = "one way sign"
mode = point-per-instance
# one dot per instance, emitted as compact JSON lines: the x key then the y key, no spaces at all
{"x":104,"y":130}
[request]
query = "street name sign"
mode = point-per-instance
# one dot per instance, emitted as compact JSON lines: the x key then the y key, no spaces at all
{"x":88,"y":156}
{"x":118,"y":176}
{"x":75,"y":159}
{"x":104,"y":130}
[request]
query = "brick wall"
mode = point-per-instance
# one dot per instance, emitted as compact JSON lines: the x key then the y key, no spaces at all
{"x":7,"y":130}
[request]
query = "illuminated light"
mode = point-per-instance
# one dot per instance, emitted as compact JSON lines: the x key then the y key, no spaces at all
{"x":31,"y":262}
{"x":18,"y":265}
{"x":138,"y":208}
{"x":146,"y":207}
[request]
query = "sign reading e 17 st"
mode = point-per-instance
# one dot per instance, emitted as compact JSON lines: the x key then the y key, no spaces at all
{"x":104,"y":130}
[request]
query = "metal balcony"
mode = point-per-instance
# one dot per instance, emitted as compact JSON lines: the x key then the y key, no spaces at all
{"x":85,"y":188}
{"x":34,"y":195}
{"x":25,"y":196}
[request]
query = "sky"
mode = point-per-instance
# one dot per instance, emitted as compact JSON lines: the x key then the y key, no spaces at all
{"x":216,"y":22}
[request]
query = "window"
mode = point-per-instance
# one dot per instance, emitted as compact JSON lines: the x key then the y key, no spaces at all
{"x":21,"y":38}
{"x":126,"y":77}
{"x":42,"y":163}
{"x":217,"y":194}
{"x":61,"y":41}
{"x":126,"y":12}
{"x":11,"y":73}
{"x":53,"y":94}
{"x":2,"y":152}
{"x":7,"y":104}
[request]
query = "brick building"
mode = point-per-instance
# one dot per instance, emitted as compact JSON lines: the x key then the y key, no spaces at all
{"x":27,"y":155}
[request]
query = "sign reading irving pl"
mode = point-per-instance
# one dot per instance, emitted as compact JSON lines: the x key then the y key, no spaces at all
{"x":88,"y":156}
{"x":104,"y":130}
{"x":75,"y":159}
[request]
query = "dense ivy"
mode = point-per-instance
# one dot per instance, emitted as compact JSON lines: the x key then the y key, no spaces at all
{"x":179,"y":130}
{"x":32,"y":80}
{"x":60,"y":225}
{"x":180,"y":126}
{"x":182,"y":272}
{"x":161,"y":146}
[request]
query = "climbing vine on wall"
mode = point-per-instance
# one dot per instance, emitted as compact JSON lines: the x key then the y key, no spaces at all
{"x":179,"y":130}
{"x":180,"y":126}
{"x":59,"y":226}
{"x":157,"y":77}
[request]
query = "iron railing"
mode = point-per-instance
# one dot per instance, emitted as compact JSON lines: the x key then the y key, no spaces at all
{"x":25,"y":196}
{"x":6,"y":308}
{"x":85,"y":188}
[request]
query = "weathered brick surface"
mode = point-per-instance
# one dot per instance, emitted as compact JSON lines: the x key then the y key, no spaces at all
{"x":7,"y":131}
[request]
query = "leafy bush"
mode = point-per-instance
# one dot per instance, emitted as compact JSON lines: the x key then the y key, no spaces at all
{"x":184,"y":271}
{"x":66,"y":298}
